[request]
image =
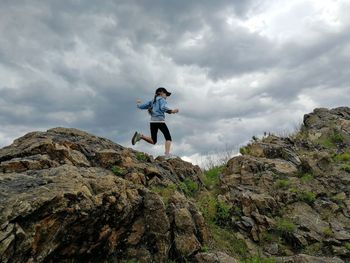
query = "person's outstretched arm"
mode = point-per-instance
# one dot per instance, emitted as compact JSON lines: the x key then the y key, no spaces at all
{"x":164,"y":107}
{"x":144,"y":106}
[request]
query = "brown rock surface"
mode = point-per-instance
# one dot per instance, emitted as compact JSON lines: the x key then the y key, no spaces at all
{"x":61,"y":202}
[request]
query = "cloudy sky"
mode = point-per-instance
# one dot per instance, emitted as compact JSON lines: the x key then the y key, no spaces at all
{"x":236,"y":68}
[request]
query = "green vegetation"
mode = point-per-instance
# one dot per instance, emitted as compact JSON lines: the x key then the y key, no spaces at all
{"x":204,"y":249}
{"x":284,"y":225}
{"x":331,"y":140}
{"x":211,"y":177}
{"x":307,"y":196}
{"x":165,"y":192}
{"x":141,"y":156}
{"x":207,"y":205}
{"x":346,"y":167}
{"x":347,"y":246}
{"x":222,"y":213}
{"x":327,"y":231}
{"x":258,"y":259}
{"x":282,"y":183}
{"x":119,"y":170}
{"x":313,"y":249}
{"x":189,"y":187}
{"x":227,"y":241}
{"x":267,"y":237}
{"x":343,"y":157}
{"x":293,"y":190}
{"x":214,"y":211}
{"x":244,"y":150}
{"x":306,"y":177}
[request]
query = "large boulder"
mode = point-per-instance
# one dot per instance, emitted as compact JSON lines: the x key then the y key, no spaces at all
{"x":69,"y":196}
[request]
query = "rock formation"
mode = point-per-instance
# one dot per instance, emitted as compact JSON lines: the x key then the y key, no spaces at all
{"x":69,"y":196}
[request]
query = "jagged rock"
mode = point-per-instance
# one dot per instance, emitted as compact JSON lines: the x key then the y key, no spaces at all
{"x":302,"y":258}
{"x":61,"y":202}
{"x":296,"y":179}
{"x":218,"y":257}
{"x":69,"y":196}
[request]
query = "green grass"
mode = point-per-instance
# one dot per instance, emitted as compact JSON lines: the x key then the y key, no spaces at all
{"x":165,"y":192}
{"x":258,"y":259}
{"x":119,"y":170}
{"x":141,"y":156}
{"x":343,"y":157}
{"x":222,"y":216}
{"x":306,"y":177}
{"x":244,"y":150}
{"x":211,"y":177}
{"x":347,"y":246}
{"x":282,"y":183}
{"x":204,"y":249}
{"x":327,"y":232}
{"x":285,"y":225}
{"x":213,"y":210}
{"x":331,"y":140}
{"x":226,"y":241}
{"x":346,"y":167}
{"x":189,"y":187}
{"x":307,"y":196}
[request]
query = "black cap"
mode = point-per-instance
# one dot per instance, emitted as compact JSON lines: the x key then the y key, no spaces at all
{"x":161,"y":89}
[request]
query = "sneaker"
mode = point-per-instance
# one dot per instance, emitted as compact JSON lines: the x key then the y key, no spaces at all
{"x":170,"y":156}
{"x":136,"y":138}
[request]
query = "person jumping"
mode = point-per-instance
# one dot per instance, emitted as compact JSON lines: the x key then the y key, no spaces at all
{"x":157,"y":109}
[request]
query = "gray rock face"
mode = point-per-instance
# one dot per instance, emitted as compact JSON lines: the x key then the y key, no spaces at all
{"x":291,"y":195}
{"x":60,"y":201}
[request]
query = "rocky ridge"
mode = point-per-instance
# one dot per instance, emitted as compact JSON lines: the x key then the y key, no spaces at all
{"x":69,"y":196}
{"x":291,"y":195}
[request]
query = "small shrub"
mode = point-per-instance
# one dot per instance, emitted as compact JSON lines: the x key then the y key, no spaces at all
{"x":284,"y":225}
{"x":307,"y":196}
{"x":224,"y":240}
{"x":306,"y":177}
{"x":327,"y":232}
{"x":336,"y":137}
{"x":204,"y":249}
{"x":267,"y":237}
{"x":165,"y":192}
{"x":207,"y":205}
{"x":282,"y":183}
{"x":141,"y":156}
{"x":343,"y":157}
{"x":244,"y":150}
{"x":189,"y":187}
{"x":347,"y":246}
{"x":293,"y":190}
{"x":222,"y":213}
{"x":258,"y":259}
{"x":211,"y":176}
{"x":119,"y":170}
{"x":346,"y":167}
{"x":331,"y":140}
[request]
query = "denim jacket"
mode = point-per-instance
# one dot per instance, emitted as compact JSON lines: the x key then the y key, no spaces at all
{"x":158,"y":109}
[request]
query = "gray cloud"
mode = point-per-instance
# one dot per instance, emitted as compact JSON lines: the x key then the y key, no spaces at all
{"x":81,"y":64}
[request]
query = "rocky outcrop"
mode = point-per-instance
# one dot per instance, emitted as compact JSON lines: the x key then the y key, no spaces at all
{"x":291,"y":195}
{"x":69,"y":196}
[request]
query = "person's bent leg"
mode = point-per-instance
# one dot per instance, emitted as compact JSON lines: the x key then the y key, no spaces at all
{"x":147,"y":139}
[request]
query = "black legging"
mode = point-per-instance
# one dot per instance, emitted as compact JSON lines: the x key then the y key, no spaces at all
{"x":162,"y":127}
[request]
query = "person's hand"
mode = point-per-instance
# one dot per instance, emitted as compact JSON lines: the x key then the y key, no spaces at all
{"x":138,"y":101}
{"x":175,"y":110}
